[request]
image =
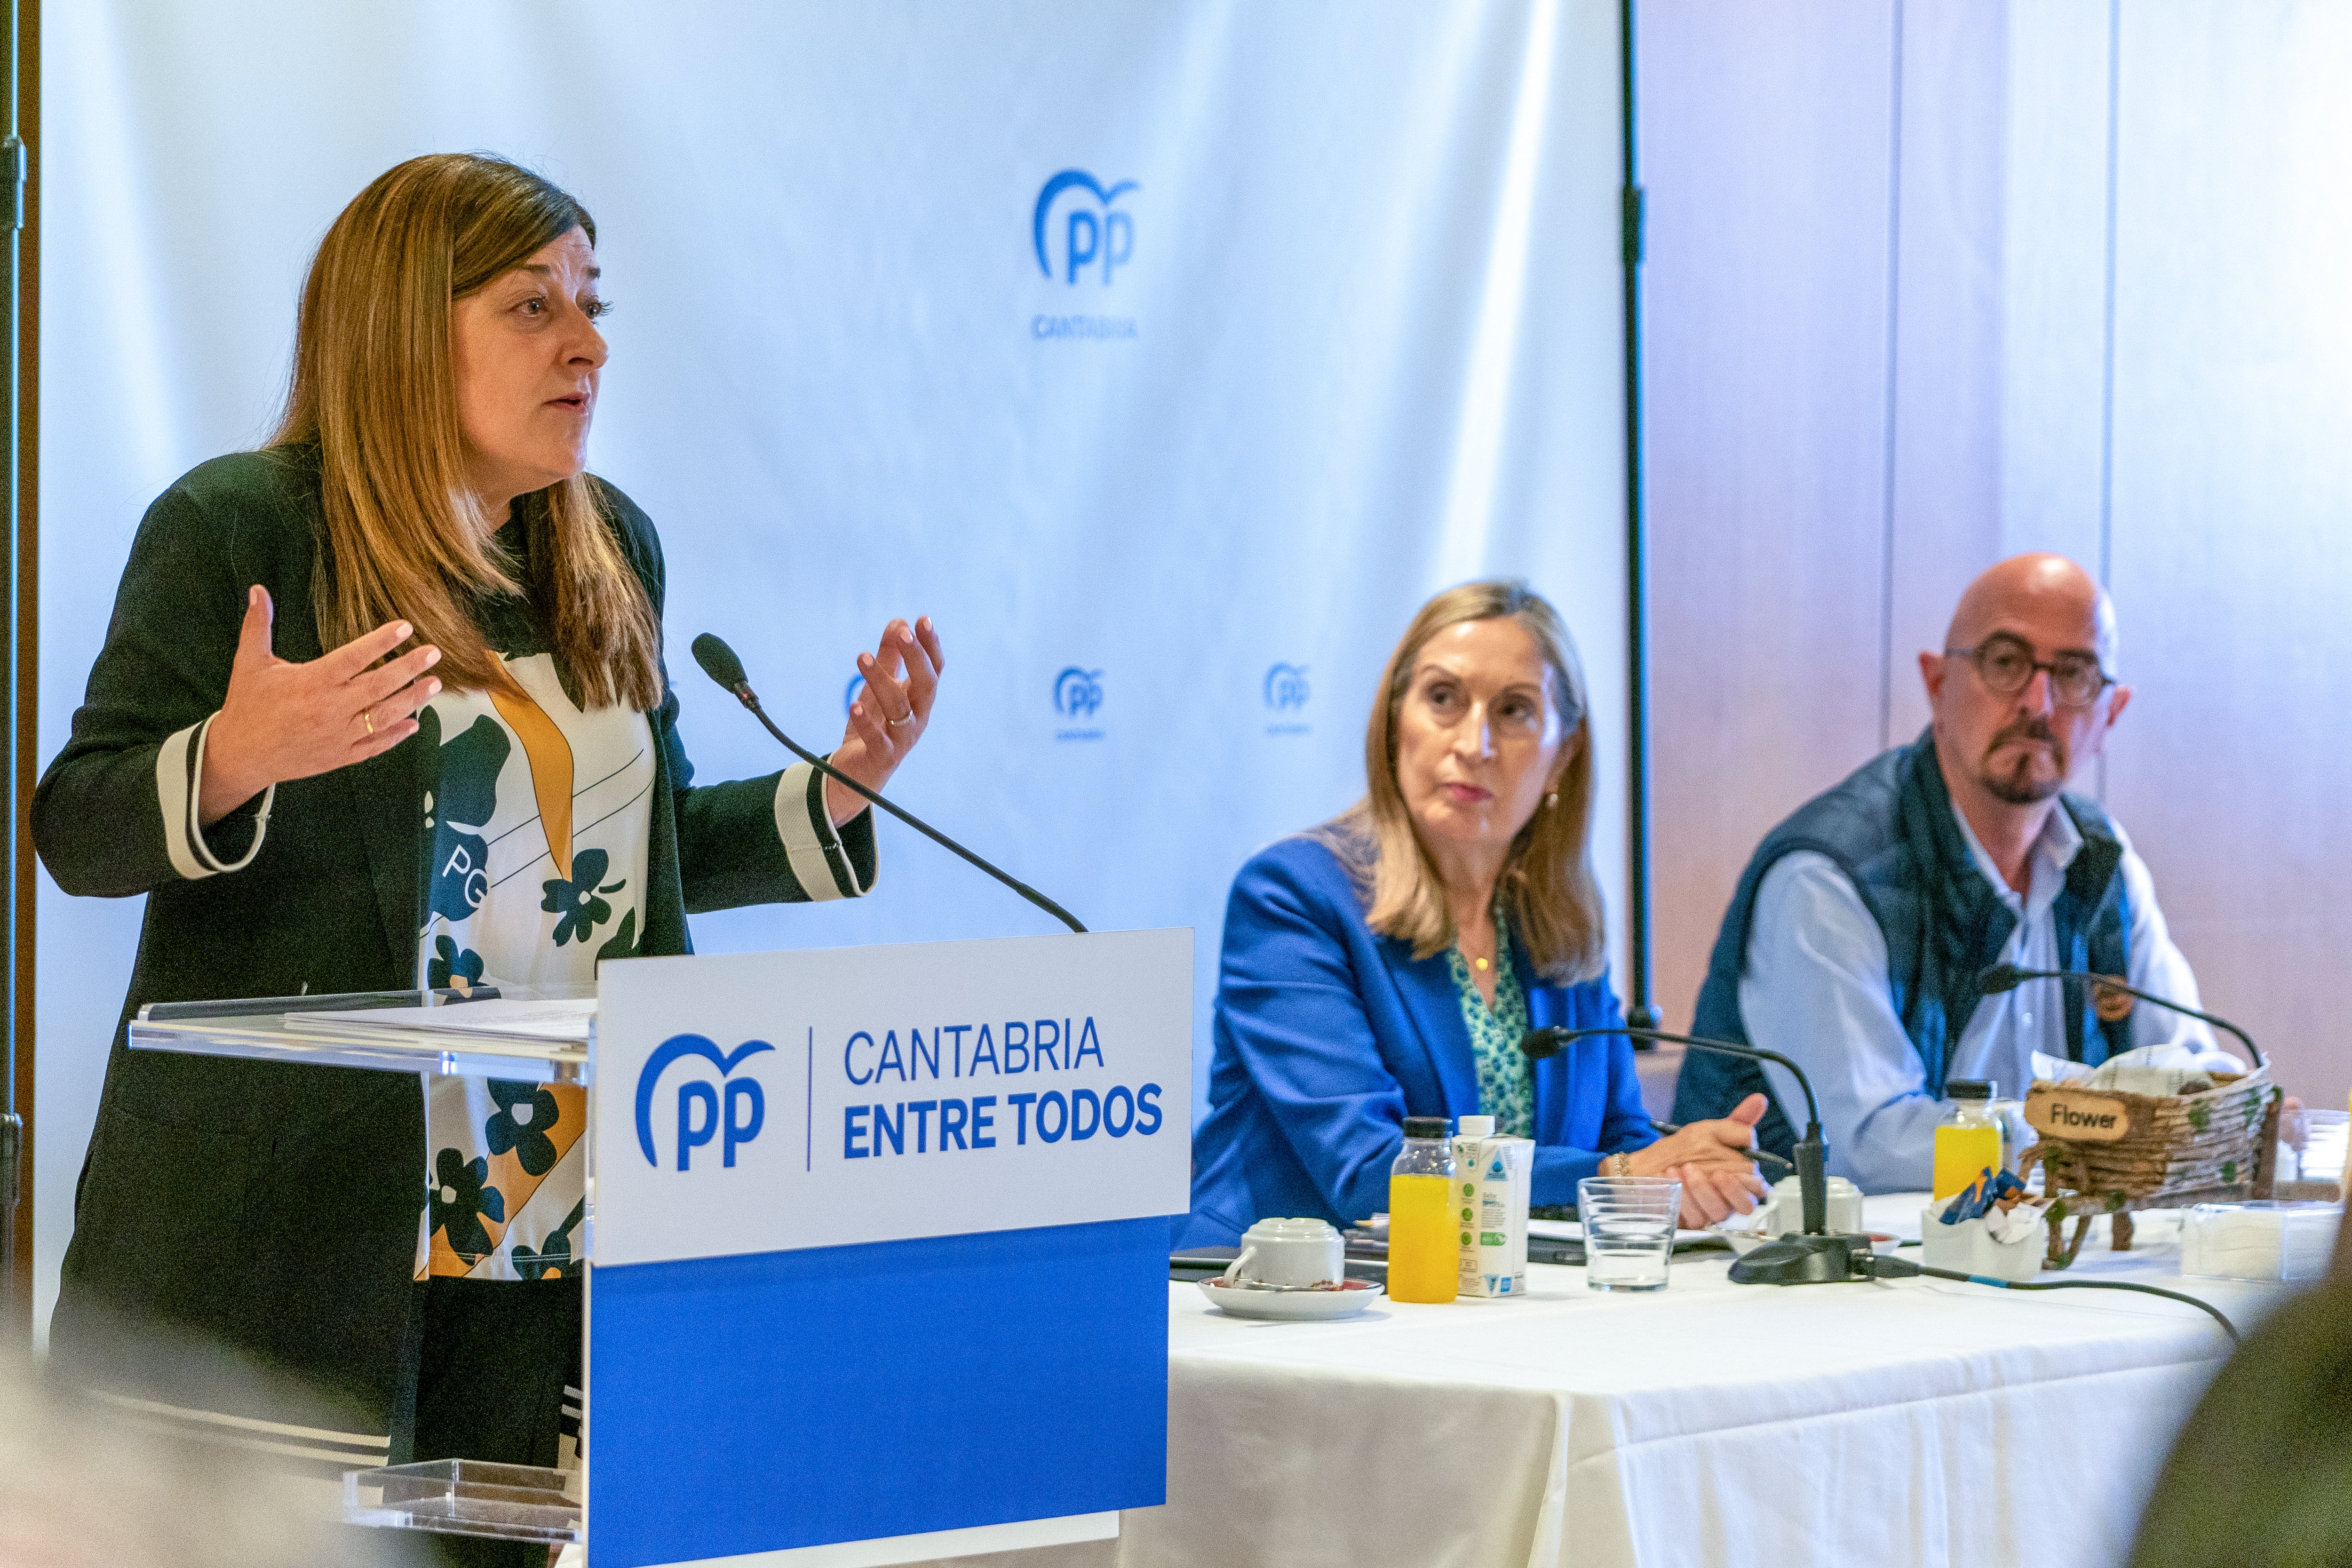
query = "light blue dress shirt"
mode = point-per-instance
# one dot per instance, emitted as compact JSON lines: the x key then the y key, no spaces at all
{"x":1815,"y":989}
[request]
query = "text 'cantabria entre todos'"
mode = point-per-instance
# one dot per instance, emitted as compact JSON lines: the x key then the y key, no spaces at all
{"x":967,"y":1056}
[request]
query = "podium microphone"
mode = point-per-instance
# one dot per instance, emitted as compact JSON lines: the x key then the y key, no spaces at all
{"x":2000,"y":978}
{"x":1816,"y":1256}
{"x":720,"y":663}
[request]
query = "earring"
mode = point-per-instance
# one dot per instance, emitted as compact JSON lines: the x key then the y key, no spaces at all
{"x":1552,"y":799}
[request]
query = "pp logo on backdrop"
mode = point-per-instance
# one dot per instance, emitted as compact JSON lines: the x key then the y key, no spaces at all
{"x":736,"y":1121}
{"x":1285,"y":692}
{"x":1080,"y":219}
{"x":1078,"y":693}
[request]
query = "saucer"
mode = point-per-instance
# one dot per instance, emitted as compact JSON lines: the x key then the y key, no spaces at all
{"x":1351,"y":1297}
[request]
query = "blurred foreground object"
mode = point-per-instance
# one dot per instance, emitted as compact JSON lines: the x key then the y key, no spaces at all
{"x":80,"y":1488}
{"x":2261,"y":1474}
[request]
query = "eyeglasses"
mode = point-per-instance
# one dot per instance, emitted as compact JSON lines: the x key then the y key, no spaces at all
{"x":2006,"y":665}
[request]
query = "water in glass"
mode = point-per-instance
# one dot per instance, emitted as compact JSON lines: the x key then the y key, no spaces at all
{"x":1629,"y":1230}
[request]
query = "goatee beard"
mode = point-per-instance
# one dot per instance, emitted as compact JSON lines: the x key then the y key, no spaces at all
{"x":2018,"y":786}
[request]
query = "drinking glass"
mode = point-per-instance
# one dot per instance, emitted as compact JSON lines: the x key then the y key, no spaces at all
{"x":2323,"y":1145}
{"x":1629,"y":1230}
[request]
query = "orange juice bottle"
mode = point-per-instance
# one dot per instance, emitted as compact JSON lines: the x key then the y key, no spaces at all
{"x":1967,"y":1138}
{"x":1425,"y":1242}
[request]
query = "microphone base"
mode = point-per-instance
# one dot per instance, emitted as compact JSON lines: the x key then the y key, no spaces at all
{"x":1800,"y":1259}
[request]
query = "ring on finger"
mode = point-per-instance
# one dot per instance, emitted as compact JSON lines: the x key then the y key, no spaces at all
{"x":368,"y":718}
{"x":908,"y":720}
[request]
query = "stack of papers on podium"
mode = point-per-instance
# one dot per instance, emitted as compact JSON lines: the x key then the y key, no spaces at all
{"x":458,"y":1025}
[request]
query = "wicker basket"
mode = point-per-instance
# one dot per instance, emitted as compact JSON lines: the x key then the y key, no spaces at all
{"x":2103,"y":1151}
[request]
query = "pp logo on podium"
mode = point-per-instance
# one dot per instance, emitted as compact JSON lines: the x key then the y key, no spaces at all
{"x":745,"y":1107}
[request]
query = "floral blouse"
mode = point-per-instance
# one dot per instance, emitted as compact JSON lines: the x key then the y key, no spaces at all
{"x":1505,"y":1089}
{"x":540,"y":829}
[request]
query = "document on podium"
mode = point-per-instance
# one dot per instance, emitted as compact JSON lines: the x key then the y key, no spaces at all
{"x":538,"y":1040}
{"x":514,"y":1019}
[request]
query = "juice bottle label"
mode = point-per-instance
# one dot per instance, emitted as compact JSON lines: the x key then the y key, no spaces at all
{"x":1424,"y":1245}
{"x":1963,"y":1154}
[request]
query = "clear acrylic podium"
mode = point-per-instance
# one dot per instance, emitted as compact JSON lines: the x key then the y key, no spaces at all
{"x":875,"y":1244}
{"x":463,"y":1497}
{"x":469,"y":1497}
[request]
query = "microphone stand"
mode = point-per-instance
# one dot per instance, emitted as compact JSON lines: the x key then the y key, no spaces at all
{"x":2000,"y":978}
{"x":719,"y":662}
{"x":1815,"y":1255}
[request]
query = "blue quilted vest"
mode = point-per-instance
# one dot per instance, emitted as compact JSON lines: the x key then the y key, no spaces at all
{"x":1890,"y":827}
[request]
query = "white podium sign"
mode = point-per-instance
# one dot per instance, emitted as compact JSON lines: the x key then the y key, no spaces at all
{"x":765,"y":1102}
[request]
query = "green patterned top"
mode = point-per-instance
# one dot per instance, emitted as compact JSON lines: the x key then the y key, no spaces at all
{"x":1505,"y":1089}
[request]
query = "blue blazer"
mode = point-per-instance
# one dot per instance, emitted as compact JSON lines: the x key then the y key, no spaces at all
{"x":1327,"y":1036}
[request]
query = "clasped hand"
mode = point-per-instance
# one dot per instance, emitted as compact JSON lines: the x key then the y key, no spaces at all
{"x":1714,"y":1161}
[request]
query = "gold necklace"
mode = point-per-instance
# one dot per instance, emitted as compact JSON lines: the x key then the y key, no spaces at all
{"x":1495,"y":924}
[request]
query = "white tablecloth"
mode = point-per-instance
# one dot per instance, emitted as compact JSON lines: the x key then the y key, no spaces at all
{"x":1885,"y":1423}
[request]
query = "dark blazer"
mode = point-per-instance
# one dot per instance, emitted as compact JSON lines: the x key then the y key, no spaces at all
{"x":273,"y":1210}
{"x":1328,"y":1035}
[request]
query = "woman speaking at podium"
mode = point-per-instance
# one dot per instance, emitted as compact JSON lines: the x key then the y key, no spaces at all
{"x":1387,"y":963}
{"x":383,"y":705}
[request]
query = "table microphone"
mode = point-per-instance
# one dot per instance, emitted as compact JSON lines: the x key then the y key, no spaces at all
{"x":720,"y":663}
{"x":2000,"y":978}
{"x":1815,"y":1256}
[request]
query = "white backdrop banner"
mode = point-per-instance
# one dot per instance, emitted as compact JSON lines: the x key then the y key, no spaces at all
{"x":1167,"y":354}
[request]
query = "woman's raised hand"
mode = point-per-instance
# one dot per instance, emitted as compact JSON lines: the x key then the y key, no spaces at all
{"x":902,"y":681}
{"x":287,"y":721}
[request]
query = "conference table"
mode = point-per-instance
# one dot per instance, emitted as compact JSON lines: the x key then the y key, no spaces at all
{"x":1917,"y":1421}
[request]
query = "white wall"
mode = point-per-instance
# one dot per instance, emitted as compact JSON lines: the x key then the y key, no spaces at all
{"x":1936,"y":281}
{"x":1374,"y":286}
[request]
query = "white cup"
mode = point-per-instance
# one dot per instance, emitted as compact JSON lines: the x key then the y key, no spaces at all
{"x":1290,"y":1252}
{"x":1841,"y":1214}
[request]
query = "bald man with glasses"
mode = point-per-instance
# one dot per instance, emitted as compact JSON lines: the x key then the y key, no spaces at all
{"x":1855,"y":936}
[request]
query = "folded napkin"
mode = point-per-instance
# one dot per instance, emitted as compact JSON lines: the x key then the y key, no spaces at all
{"x":2150,"y":1069}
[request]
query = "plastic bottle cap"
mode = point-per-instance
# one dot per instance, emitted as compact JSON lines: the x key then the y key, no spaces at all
{"x":1474,"y":1126}
{"x":1424,"y":1127}
{"x":1970,"y":1089}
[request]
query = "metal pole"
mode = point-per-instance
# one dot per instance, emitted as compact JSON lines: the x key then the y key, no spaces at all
{"x":1639,"y":1011}
{"x":11,"y":1127}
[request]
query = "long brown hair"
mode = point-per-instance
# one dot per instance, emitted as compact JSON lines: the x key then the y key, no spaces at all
{"x":1548,"y":890}
{"x":374,"y":392}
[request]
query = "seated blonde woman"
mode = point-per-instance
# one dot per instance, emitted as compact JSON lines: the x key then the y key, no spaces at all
{"x":1387,"y":963}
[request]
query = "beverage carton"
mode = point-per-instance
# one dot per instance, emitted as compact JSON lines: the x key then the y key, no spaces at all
{"x":1493,"y":1186}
